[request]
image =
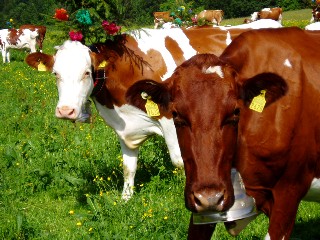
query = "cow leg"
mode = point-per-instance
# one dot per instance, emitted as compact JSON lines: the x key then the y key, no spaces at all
{"x":200,"y":232}
{"x":169,"y":133}
{"x":8,"y":56}
{"x":3,"y":56}
{"x":130,"y":159}
{"x":283,"y":214}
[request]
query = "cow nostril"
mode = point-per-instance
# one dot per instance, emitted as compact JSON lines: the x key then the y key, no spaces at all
{"x":209,"y":201}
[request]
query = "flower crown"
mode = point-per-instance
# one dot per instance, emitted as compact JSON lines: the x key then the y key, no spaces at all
{"x":84,"y":22}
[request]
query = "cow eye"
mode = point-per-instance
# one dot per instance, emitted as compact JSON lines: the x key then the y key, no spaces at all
{"x":233,"y":119}
{"x":178,"y":120}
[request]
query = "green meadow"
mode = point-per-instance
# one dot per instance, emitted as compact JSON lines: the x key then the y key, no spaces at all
{"x":60,"y":180}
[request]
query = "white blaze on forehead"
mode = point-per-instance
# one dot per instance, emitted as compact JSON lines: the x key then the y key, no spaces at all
{"x":149,"y":39}
{"x":287,"y":63}
{"x":214,"y":69}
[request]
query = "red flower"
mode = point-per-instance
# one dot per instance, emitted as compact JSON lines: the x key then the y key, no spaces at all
{"x":61,"y":14}
{"x":110,"y":28}
{"x":76,"y":36}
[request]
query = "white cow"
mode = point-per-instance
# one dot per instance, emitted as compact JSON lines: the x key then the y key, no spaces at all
{"x":18,"y":39}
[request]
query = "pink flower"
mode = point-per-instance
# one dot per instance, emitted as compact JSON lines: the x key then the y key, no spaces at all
{"x":110,"y":28}
{"x":76,"y":36}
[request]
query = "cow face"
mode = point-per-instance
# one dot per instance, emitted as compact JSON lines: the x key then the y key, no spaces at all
{"x":72,"y":66}
{"x":205,"y":101}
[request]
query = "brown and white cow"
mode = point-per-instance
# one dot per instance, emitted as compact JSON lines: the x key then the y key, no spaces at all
{"x":41,"y":30}
{"x":212,"y":16}
{"x":268,"y":13}
{"x":161,"y":18}
{"x":315,"y":14}
{"x":254,"y":108}
{"x":150,"y":54}
{"x":18,"y":39}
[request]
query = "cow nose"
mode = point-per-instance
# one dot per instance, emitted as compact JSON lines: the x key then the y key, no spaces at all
{"x":209,"y":200}
{"x":65,"y":112}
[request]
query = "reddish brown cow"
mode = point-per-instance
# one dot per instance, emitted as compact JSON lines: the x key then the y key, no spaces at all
{"x":268,"y":13}
{"x":254,"y":108}
{"x":41,"y":30}
{"x":212,"y":16}
{"x":161,"y":17}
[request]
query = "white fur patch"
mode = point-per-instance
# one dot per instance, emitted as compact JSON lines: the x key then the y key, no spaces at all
{"x":215,"y":69}
{"x":287,"y":63}
{"x":267,"y":237}
{"x":149,"y":39}
{"x":228,"y":40}
{"x":313,"y":194}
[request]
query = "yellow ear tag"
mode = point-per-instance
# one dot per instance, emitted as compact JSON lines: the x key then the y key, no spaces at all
{"x":103,"y":64}
{"x":151,"y":107}
{"x":42,"y":67}
{"x":258,"y":102}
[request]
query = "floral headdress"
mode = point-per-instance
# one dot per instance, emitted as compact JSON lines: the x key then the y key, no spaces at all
{"x":85,"y":27}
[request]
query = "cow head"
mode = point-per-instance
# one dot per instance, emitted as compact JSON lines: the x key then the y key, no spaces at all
{"x":205,"y":101}
{"x":73,"y":65}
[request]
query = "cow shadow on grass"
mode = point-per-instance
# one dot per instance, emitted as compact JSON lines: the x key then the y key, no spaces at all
{"x":306,"y":230}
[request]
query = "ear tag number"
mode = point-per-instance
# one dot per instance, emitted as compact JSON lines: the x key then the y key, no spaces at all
{"x":151,"y":107}
{"x":103,"y":64}
{"x":258,"y":102}
{"x":42,"y":67}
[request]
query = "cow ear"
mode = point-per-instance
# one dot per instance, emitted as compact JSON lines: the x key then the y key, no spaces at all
{"x":40,"y":61}
{"x":274,"y":86}
{"x":149,"y":89}
{"x":103,"y":59}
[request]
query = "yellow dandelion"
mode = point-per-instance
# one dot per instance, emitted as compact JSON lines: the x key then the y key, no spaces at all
{"x":108,"y":178}
{"x":90,"y":229}
{"x":165,"y":218}
{"x":101,"y":193}
{"x":79,"y":224}
{"x":71,"y":212}
{"x":114,"y":203}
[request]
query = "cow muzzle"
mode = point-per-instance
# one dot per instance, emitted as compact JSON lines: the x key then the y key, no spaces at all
{"x":243,"y":207}
{"x":71,"y":113}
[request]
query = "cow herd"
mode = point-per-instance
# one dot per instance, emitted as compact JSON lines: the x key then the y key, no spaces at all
{"x":228,"y":101}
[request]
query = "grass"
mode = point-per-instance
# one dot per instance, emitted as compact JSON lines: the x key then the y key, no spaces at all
{"x":60,"y":180}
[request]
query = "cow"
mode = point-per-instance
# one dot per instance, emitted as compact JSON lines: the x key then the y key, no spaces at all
{"x":152,"y":53}
{"x":161,"y":18}
{"x":212,"y":16}
{"x":18,"y":39}
{"x":315,"y":14}
{"x":254,"y":108}
{"x":41,"y":30}
{"x":268,"y":13}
